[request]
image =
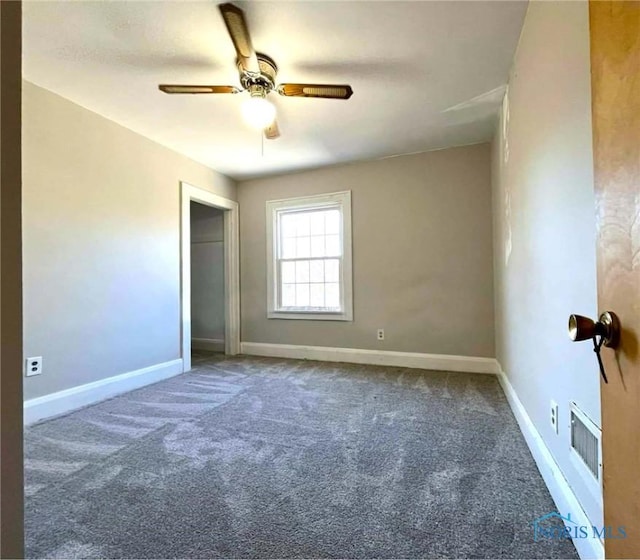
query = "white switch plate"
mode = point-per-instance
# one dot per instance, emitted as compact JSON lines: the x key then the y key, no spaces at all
{"x":33,"y":366}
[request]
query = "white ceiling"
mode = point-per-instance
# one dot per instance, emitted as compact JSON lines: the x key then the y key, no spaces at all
{"x":425,"y":75}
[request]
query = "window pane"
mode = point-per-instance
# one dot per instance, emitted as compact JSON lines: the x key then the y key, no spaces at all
{"x":302,"y":271}
{"x":332,"y":295}
{"x":303,"y":228}
{"x":316,"y":297}
{"x":288,"y":272}
{"x":288,"y":225}
{"x":288,"y":248}
{"x":302,"y":295}
{"x":317,"y":246}
{"x":332,"y":221}
{"x":303,"y":249}
{"x":288,"y":295}
{"x":333,"y":246}
{"x":316,"y":271}
{"x":332,"y":270}
{"x":317,"y":223}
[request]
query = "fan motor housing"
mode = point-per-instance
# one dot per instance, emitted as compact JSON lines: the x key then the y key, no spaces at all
{"x":266,"y":78}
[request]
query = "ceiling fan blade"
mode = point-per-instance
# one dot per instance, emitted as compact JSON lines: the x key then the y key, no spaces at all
{"x":239,"y":31}
{"x":177,"y":88}
{"x":316,"y":90}
{"x":272,"y":131}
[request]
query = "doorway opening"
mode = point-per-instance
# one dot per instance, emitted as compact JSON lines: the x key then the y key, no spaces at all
{"x":209,"y":274}
{"x":207,"y":279}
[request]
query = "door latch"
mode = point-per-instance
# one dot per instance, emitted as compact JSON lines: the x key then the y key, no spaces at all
{"x":604,"y":332}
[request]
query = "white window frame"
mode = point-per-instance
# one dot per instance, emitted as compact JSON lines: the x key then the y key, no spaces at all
{"x":340,"y":200}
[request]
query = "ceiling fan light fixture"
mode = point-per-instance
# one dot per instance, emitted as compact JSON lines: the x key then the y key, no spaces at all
{"x":257,"y":111}
{"x":258,"y":78}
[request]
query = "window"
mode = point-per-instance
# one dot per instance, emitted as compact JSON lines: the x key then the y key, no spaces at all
{"x":309,"y":258}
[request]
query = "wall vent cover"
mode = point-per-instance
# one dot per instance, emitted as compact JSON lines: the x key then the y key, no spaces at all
{"x":585,"y":441}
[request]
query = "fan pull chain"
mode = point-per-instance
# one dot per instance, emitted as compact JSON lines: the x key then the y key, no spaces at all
{"x":262,"y":142}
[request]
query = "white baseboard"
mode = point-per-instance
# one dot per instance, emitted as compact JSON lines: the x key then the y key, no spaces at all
{"x":211,"y":344}
{"x":560,"y":490}
{"x":91,"y":393}
{"x":441,"y":362}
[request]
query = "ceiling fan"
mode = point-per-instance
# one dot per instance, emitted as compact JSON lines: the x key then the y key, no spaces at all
{"x":258,"y":78}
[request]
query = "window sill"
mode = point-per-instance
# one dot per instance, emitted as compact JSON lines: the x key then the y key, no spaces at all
{"x":310,"y":315}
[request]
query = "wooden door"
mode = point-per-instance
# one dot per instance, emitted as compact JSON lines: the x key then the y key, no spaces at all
{"x":615,"y":81}
{"x":11,"y":479}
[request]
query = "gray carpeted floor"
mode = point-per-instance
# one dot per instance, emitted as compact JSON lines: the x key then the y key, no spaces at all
{"x":266,"y":458}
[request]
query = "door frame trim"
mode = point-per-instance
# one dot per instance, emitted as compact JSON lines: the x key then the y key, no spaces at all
{"x":190,"y":193}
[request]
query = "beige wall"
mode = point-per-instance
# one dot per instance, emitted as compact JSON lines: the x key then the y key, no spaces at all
{"x":421,"y":254}
{"x":101,"y":243}
{"x":544,"y":209}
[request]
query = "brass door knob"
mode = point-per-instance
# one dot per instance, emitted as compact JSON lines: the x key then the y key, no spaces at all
{"x":605,"y":331}
{"x":607,"y":328}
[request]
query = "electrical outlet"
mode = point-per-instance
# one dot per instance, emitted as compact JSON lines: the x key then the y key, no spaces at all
{"x":380,"y":334}
{"x":554,"y":416}
{"x":33,"y":366}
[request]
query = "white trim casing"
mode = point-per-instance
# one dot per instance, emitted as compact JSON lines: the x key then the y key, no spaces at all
{"x":439,"y":362}
{"x":231,"y":267}
{"x":559,"y":488}
{"x":68,"y":400}
{"x":343,"y":199}
{"x":210,"y":344}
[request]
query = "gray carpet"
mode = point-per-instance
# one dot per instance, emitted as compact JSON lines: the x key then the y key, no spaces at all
{"x":266,"y":458}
